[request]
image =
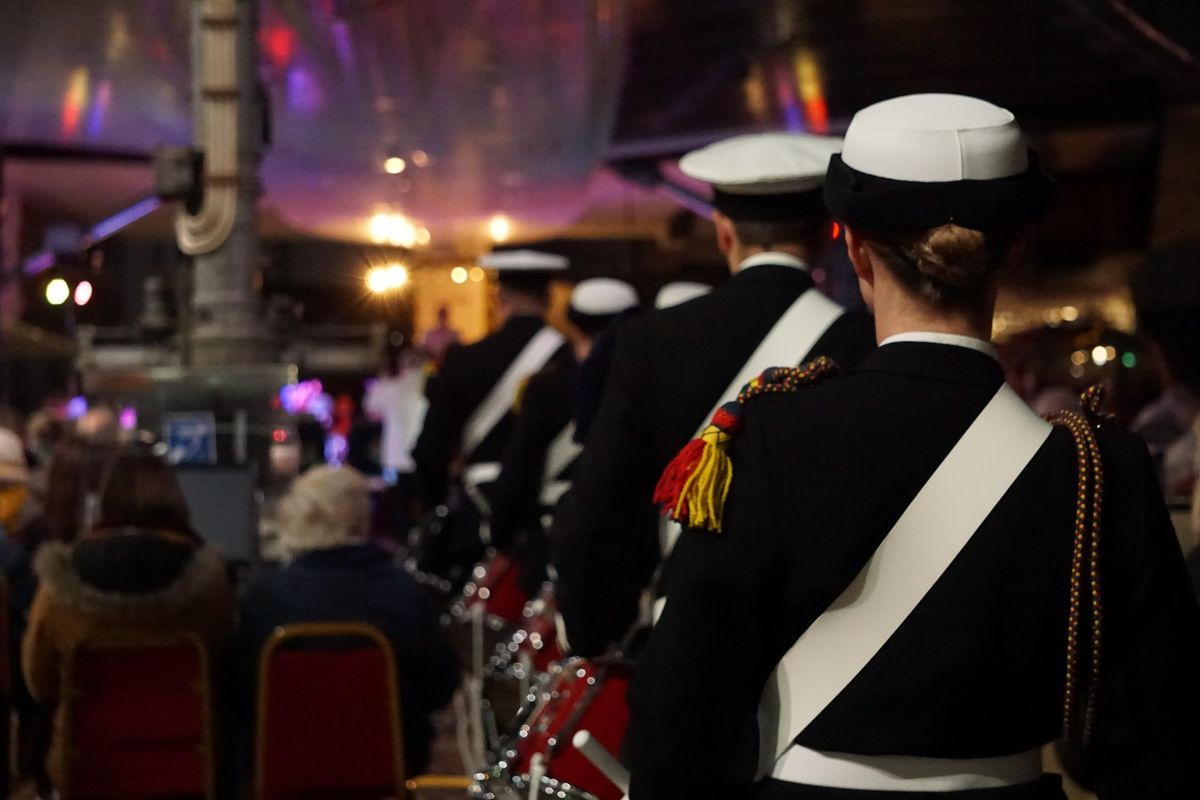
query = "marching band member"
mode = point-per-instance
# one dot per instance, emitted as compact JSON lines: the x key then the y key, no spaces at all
{"x":916,"y":581}
{"x":471,"y":399}
{"x":671,"y":368}
{"x":679,"y":292}
{"x":541,"y":452}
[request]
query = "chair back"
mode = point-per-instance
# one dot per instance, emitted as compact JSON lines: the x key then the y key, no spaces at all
{"x":137,"y":717}
{"x":328,"y":717}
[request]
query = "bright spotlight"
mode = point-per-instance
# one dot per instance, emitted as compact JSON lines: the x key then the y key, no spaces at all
{"x":57,"y":292}
{"x":384,"y":279}
{"x":1099,"y":355}
{"x":393,"y":229}
{"x":394,"y":165}
{"x":459,"y":275}
{"x":83,"y":293}
{"x":499,"y":228}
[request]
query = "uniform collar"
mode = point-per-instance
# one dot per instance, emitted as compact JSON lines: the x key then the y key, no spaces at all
{"x":951,"y":339}
{"x":772,"y":257}
{"x":935,"y":360}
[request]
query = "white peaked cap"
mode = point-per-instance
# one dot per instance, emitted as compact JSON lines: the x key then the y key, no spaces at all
{"x":763,"y":163}
{"x":603,"y":296}
{"x":934,"y":138}
{"x":678,"y":292}
{"x":515,"y":261}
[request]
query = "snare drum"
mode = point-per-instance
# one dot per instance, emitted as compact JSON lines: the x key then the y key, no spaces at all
{"x":579,"y":695}
{"x":535,"y":646}
{"x":496,"y":586}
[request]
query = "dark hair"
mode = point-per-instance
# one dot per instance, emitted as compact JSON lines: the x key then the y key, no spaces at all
{"x":950,"y":267}
{"x":533,"y":284}
{"x":67,"y":485}
{"x":809,"y":233}
{"x":140,"y":491}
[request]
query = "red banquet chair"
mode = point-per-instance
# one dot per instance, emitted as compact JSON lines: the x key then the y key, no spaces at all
{"x":328,"y":718}
{"x":137,"y":714}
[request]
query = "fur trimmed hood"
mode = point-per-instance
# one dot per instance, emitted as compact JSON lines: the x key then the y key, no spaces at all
{"x":200,"y":576}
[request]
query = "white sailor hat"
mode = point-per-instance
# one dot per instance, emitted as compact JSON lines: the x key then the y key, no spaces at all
{"x":924,"y":160}
{"x":764,"y":176}
{"x":594,"y":302}
{"x":678,"y":292}
{"x":523,"y":261}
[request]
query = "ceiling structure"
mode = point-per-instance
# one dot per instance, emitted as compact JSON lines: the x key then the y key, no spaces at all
{"x":519,"y":107}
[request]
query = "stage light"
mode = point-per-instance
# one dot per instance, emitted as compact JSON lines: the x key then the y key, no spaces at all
{"x":499,"y":228}
{"x":459,"y":274}
{"x":393,"y":229}
{"x":57,"y":292}
{"x":394,"y":165}
{"x":1099,"y":355}
{"x":385,"y":279}
{"x":83,"y":293}
{"x":1070,"y":313}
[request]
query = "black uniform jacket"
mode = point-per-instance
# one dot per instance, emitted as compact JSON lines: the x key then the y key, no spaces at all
{"x":820,"y":477}
{"x":669,"y":369}
{"x":545,"y":410}
{"x":463,"y":382}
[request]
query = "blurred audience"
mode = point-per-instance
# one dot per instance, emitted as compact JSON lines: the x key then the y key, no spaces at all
{"x":440,"y":337}
{"x":397,"y":400}
{"x":139,"y":567}
{"x":336,"y":575}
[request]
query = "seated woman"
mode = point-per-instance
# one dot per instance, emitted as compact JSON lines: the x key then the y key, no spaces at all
{"x":336,"y":575}
{"x":141,"y":567}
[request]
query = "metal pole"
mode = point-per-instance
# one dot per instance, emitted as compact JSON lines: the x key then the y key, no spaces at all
{"x":228,"y":324}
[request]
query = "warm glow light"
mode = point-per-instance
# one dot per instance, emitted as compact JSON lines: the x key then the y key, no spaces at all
{"x":1079,"y":358}
{"x":459,"y":274}
{"x":83,"y":293}
{"x":384,"y":279}
{"x":394,"y":165}
{"x":808,"y":81}
{"x":477,"y":274}
{"x":1099,"y":355}
{"x":57,"y":292}
{"x":420,"y":158}
{"x":1070,"y":313}
{"x":78,"y":85}
{"x":499,"y":228}
{"x":837,"y":230}
{"x":393,"y":229}
{"x":423,"y":236}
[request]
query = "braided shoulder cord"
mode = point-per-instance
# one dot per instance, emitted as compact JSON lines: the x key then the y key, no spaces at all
{"x":1086,"y":606}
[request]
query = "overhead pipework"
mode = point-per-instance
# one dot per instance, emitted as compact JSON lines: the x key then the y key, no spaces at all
{"x":216,"y":129}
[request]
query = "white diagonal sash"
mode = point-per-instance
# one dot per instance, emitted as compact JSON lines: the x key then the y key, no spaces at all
{"x":499,"y":400}
{"x":788,"y":343}
{"x":929,"y":535}
{"x":559,"y":455}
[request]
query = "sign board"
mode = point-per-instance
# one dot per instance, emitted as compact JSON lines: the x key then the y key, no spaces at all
{"x":191,"y":438}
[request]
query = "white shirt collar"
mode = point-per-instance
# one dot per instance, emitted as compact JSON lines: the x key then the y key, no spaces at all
{"x":952,"y":339}
{"x":772,"y":257}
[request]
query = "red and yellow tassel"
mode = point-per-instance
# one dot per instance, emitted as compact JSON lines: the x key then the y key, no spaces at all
{"x":694,"y":486}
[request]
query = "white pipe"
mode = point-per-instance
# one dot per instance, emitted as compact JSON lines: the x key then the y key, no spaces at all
{"x":602,"y":760}
{"x":537,"y":771}
{"x":217,"y":127}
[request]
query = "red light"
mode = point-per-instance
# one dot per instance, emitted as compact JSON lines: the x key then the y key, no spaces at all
{"x":279,"y":435}
{"x":817,"y":114}
{"x":279,"y":44}
{"x":837,"y":230}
